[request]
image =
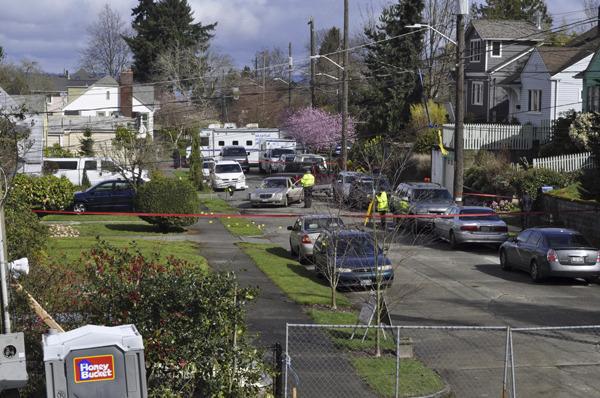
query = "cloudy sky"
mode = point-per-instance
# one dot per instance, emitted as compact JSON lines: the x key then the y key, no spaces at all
{"x":52,"y":32}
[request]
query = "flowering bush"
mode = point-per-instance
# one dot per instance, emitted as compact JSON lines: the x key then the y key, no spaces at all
{"x":316,"y":128}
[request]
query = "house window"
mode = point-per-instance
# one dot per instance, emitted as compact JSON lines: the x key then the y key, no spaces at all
{"x":107,"y":95}
{"x":496,"y":49}
{"x":593,"y":99}
{"x":535,"y":101}
{"x":475,"y":50}
{"x":477,"y":93}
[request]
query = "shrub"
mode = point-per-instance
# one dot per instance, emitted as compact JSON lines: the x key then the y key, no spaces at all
{"x":168,"y":195}
{"x":531,"y":180}
{"x":26,"y":236}
{"x":45,"y":193}
{"x":426,"y":139}
{"x":561,"y":140}
{"x":56,"y":151}
{"x":188,"y":318}
{"x":490,"y":174}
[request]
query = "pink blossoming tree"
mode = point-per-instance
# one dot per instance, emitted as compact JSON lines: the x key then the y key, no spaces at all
{"x":317,"y":129}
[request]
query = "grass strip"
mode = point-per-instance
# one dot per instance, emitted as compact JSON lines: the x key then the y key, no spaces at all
{"x":299,"y":284}
{"x":84,"y":217}
{"x":69,"y":250}
{"x":237,"y":226}
{"x":380,"y":374}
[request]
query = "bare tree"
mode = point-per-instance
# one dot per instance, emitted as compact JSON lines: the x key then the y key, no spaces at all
{"x":438,"y":51}
{"x":591,"y":11}
{"x":106,"y":52}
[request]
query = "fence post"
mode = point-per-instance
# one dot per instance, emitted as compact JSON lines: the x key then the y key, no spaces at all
{"x":397,"y":362}
{"x":506,"y":356}
{"x":286,"y":359}
{"x":512,"y":364}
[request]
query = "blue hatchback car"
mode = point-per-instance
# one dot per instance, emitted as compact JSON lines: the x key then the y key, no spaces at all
{"x":353,"y":257}
{"x":110,"y":195}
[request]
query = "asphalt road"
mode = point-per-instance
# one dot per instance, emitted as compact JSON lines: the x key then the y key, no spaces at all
{"x":435,"y":285}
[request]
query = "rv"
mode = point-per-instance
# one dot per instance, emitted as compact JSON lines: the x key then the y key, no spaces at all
{"x":212,"y":140}
{"x":271,"y":150}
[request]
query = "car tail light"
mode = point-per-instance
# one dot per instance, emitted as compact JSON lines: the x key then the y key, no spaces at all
{"x":469,"y":228}
{"x":551,"y":256}
{"x":306,"y":239}
{"x":598,"y":257}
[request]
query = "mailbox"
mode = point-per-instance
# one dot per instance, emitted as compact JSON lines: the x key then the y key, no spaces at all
{"x":95,"y":361}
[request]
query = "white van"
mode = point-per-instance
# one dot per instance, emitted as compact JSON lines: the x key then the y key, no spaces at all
{"x":271,"y":150}
{"x":97,"y":169}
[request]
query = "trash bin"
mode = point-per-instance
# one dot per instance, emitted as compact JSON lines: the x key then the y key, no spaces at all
{"x":95,"y":361}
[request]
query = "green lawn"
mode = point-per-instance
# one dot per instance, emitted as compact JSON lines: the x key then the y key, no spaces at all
{"x":301,"y":285}
{"x":237,"y":226}
{"x":380,"y":374}
{"x":182,"y":174}
{"x":69,"y":250}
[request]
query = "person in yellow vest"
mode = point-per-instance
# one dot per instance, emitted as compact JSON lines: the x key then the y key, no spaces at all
{"x":307,"y":181}
{"x":382,"y":206}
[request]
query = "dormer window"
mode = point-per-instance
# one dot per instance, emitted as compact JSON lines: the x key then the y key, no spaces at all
{"x":475,"y":51}
{"x":496,"y":49}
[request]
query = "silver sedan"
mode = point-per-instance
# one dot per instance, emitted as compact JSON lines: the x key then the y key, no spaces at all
{"x":471,"y":224}
{"x":276,"y":191}
{"x":305,"y":232}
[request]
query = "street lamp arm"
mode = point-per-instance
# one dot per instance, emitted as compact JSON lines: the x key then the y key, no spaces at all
{"x":281,"y":80}
{"x":328,"y":59}
{"x":419,"y":25}
{"x":327,"y":75}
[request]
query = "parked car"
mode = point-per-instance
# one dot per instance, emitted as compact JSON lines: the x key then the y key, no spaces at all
{"x":306,"y":230}
{"x":207,"y":166}
{"x":111,"y":195}
{"x":421,"y":198}
{"x":364,"y":188}
{"x":278,"y":191}
{"x":471,"y":224}
{"x":353,"y":256}
{"x":236,"y":153}
{"x":284,"y":160}
{"x":271,"y":158}
{"x":545,"y":252}
{"x":227,"y":173}
{"x":342,"y":183}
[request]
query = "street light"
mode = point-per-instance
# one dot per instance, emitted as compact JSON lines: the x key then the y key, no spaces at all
{"x":420,"y":26}
{"x":281,"y":80}
{"x":328,"y":75}
{"x":328,"y":59}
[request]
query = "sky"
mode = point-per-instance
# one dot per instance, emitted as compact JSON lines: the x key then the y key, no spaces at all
{"x":53,"y":32}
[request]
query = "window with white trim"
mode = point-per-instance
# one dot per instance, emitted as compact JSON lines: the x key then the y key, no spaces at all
{"x":496,"y":49}
{"x":593,"y":99}
{"x":477,"y":93}
{"x":475,"y":50}
{"x":535,"y":101}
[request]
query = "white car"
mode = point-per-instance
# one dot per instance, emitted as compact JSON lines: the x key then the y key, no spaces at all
{"x":227,"y":173}
{"x":207,"y":166}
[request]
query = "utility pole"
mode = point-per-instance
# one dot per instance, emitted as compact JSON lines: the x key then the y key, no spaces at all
{"x":462,"y":10}
{"x":264,"y":75}
{"x":313,"y":52}
{"x":345,"y":90}
{"x":290,"y":63}
{"x":6,"y":329}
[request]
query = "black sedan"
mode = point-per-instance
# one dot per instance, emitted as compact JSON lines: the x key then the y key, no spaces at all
{"x":110,"y":195}
{"x":545,"y":252}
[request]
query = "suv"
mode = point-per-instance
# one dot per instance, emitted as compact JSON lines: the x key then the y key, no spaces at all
{"x":342,"y":183}
{"x":236,"y":153}
{"x":421,"y":198}
{"x":364,"y":188}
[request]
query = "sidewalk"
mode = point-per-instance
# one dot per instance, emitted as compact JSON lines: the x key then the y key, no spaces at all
{"x":269,"y":313}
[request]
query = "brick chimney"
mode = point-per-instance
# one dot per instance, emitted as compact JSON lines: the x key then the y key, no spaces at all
{"x":126,"y":93}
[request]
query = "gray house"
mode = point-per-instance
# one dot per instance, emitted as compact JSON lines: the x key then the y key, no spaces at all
{"x":30,"y":150}
{"x":494,"y":51}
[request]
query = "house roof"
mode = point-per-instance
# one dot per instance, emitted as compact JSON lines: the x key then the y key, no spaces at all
{"x":557,"y":59}
{"x":145,"y":94}
{"x":507,"y":30}
{"x":588,"y":38}
{"x":106,"y":81}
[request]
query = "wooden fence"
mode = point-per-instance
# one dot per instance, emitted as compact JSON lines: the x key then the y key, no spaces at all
{"x":499,"y":136}
{"x":566,"y":163}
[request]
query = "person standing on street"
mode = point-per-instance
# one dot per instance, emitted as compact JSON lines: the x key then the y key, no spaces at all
{"x":307,"y":181}
{"x":382,"y":206}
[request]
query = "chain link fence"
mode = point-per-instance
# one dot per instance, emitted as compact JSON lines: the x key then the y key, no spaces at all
{"x":441,"y":361}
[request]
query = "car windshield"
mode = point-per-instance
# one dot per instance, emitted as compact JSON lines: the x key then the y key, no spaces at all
{"x":481,"y":215}
{"x":287,"y":158}
{"x":228,"y":168}
{"x":350,"y":179}
{"x":367,"y":185}
{"x":358,"y":246}
{"x":234,"y":152}
{"x":431,"y":195}
{"x":567,"y":240}
{"x":274,"y":183}
{"x":281,"y":151}
{"x":316,"y":224}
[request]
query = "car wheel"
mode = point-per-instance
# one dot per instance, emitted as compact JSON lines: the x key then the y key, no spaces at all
{"x":79,"y":207}
{"x":591,"y":280}
{"x":504,"y":261}
{"x":535,"y":272}
{"x":453,"y":243}
{"x":292,"y":251}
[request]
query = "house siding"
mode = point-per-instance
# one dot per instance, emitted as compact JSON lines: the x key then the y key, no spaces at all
{"x":535,"y":77}
{"x":591,"y":78}
{"x":509,"y":50}
{"x":569,"y":89}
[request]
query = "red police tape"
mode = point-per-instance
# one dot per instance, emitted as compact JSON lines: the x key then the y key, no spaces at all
{"x":287,"y":215}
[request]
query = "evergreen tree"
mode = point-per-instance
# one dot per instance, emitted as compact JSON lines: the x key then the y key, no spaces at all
{"x":86,"y":144}
{"x":85,"y":180}
{"x":512,"y":9}
{"x":159,"y":26}
{"x":196,"y":162}
{"x":392,"y":68}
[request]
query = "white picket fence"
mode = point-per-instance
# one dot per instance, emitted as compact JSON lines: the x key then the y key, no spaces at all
{"x":499,"y":136}
{"x":566,"y":163}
